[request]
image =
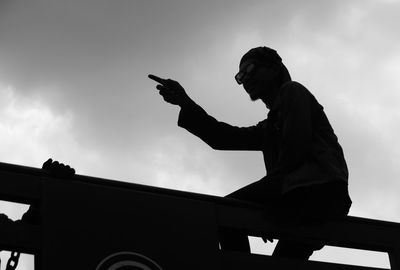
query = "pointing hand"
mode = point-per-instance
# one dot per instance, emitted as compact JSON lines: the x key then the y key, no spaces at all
{"x":171,"y":91}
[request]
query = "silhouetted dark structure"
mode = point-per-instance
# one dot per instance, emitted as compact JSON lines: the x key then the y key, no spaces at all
{"x":307,"y":175}
{"x":92,"y":223}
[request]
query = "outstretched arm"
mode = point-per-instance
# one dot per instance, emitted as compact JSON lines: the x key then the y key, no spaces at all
{"x":192,"y":117}
{"x":220,"y":135}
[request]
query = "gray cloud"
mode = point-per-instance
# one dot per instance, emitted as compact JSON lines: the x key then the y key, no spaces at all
{"x":91,"y":60}
{"x":80,"y":67}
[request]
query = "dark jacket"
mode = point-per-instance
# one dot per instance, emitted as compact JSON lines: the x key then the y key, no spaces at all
{"x":298,"y":143}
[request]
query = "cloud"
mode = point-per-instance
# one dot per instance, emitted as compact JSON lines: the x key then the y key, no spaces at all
{"x":74,"y":87}
{"x":87,"y":64}
{"x":28,"y":129}
{"x":31,"y":133}
{"x":181,"y":166}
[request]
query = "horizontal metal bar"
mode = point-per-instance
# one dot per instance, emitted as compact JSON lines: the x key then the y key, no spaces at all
{"x":239,"y":261}
{"x":20,"y":237}
{"x":19,"y":187}
{"x":23,"y":184}
{"x":352,"y":233}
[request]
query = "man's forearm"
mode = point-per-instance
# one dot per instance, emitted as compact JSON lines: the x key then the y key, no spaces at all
{"x":216,"y":134}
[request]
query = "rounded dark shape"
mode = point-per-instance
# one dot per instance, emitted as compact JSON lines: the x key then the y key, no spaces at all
{"x":262,"y":54}
{"x":127,"y":261}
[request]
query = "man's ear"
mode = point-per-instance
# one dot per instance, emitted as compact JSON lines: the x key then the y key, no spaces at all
{"x":277,"y":71}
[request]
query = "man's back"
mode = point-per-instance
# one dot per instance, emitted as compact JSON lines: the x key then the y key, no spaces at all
{"x":300,"y":144}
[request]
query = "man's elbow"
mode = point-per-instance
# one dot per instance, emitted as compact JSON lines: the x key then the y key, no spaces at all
{"x":218,"y":145}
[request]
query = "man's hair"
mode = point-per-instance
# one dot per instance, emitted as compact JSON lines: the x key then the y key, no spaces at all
{"x":268,"y":56}
{"x":262,"y":54}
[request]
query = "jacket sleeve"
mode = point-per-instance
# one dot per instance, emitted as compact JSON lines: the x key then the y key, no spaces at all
{"x":296,"y":127}
{"x":219,"y":135}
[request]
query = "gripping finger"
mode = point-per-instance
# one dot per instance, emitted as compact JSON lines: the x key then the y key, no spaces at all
{"x":161,"y":87}
{"x":165,"y":93}
{"x":47,"y":164}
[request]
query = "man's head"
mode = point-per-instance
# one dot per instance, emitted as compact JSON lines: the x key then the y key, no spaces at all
{"x":262,"y":72}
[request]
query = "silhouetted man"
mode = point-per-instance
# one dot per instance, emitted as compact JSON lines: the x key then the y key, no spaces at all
{"x":55,"y":169}
{"x":307,"y":176}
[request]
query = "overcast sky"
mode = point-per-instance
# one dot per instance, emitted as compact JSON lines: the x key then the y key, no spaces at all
{"x":74,"y":87}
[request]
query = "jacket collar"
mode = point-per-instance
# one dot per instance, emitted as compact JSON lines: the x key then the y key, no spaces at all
{"x":278,"y":99}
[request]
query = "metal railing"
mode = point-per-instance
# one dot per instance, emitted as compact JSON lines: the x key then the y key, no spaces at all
{"x":93,"y":223}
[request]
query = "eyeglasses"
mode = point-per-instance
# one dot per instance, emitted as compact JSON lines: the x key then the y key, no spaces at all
{"x":246,"y":73}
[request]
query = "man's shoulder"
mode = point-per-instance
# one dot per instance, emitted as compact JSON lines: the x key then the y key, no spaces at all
{"x":294,"y":88}
{"x":293,"y":93}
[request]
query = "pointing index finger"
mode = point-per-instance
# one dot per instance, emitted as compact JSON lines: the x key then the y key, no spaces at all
{"x":157,"y":79}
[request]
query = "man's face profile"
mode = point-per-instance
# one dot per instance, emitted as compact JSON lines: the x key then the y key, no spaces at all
{"x":257,"y":78}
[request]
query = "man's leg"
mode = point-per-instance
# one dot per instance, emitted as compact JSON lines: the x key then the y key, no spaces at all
{"x":312,"y":205}
{"x":295,"y":249}
{"x":262,"y":192}
{"x":234,"y":240}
